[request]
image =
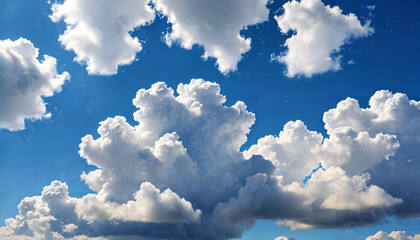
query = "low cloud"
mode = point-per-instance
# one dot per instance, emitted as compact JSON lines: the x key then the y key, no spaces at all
{"x":179,"y":173}
{"x":396,"y":235}
{"x":24,"y":82}
{"x":319,"y":33}
{"x":149,"y":205}
{"x":99,"y":34}
{"x":215,"y":25}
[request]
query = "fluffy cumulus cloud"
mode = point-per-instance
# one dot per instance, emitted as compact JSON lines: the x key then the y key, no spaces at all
{"x":396,"y":235}
{"x":149,"y":205}
{"x":24,"y":81}
{"x":215,"y":25}
{"x":363,"y":144}
{"x":179,"y":173}
{"x":319,"y":33}
{"x":99,"y":32}
{"x":387,"y":114}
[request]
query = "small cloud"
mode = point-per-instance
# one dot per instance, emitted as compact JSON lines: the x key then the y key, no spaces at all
{"x":24,"y":81}
{"x":106,"y":46}
{"x":214,"y":25}
{"x":320,"y":33}
{"x":371,"y":7}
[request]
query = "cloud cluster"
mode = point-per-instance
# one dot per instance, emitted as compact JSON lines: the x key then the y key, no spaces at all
{"x":319,"y":33}
{"x":396,"y":235}
{"x":24,"y":81}
{"x":99,"y":33}
{"x":179,"y":173}
{"x":215,"y":25}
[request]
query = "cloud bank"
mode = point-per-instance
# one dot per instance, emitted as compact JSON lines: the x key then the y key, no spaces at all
{"x":319,"y":33}
{"x":24,"y":81}
{"x":179,"y":173}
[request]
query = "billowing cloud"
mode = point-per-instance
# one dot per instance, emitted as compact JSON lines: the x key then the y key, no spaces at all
{"x":302,"y":150}
{"x":363,"y":144}
{"x":99,"y":32}
{"x":149,"y":205}
{"x":215,"y":25}
{"x":37,"y":215}
{"x":396,"y":235}
{"x":390,"y":114}
{"x":179,"y":173}
{"x":319,"y":33}
{"x":24,"y":81}
{"x":55,"y":215}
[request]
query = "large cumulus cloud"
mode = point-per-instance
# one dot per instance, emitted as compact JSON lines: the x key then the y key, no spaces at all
{"x":393,"y":114}
{"x":320,"y":32}
{"x":24,"y":81}
{"x":179,"y":173}
{"x":99,"y":31}
{"x":377,"y":145}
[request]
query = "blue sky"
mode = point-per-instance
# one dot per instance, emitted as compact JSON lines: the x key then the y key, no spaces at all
{"x":48,"y":149}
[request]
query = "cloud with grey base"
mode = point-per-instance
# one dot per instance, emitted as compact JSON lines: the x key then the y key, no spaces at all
{"x":179,"y":172}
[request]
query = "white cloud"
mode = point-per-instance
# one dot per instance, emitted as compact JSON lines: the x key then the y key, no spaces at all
{"x":149,"y":205}
{"x":284,"y":238}
{"x":215,"y":25}
{"x":178,"y":173}
{"x":362,"y":145}
{"x":336,"y":191}
{"x":389,"y":114}
{"x":99,"y":32}
{"x":37,"y":213}
{"x":54,"y":215}
{"x":396,"y":235}
{"x":69,"y":228}
{"x":156,"y":152}
{"x":302,"y":150}
{"x":24,"y":81}
{"x":320,"y":32}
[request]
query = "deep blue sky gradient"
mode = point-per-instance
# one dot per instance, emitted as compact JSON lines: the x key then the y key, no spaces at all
{"x":48,"y":150}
